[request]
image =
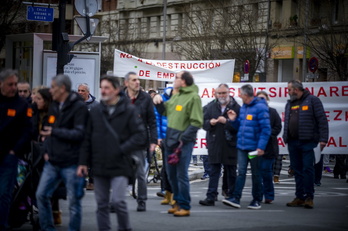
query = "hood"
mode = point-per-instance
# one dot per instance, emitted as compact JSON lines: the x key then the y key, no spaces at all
{"x":189,"y":89}
{"x":72,"y":98}
{"x":91,"y":99}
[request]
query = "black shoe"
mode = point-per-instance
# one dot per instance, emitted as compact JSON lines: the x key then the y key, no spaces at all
{"x":160,"y":194}
{"x":141,"y":206}
{"x":207,"y":202}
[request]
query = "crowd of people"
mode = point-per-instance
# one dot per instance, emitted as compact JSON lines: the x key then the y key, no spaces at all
{"x":79,"y":137}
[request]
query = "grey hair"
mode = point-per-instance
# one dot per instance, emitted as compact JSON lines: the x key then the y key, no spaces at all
{"x":223,"y":85}
{"x":7,"y":73}
{"x":296,"y":84}
{"x":247,"y":89}
{"x":63,"y":80}
{"x":84,"y":85}
{"x":126,"y":77}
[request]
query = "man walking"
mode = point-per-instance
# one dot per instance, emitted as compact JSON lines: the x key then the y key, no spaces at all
{"x":253,"y":133}
{"x":114,"y":130}
{"x":221,"y":142}
{"x":143,"y":102}
{"x":67,"y":117}
{"x":15,"y":133}
{"x":305,"y":126}
{"x":185,"y":117}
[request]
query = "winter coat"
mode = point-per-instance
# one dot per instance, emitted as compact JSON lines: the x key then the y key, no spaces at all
{"x":253,"y":125}
{"x":145,"y":107}
{"x":105,"y":153}
{"x":162,"y":120}
{"x":272,"y":148}
{"x":15,"y":125}
{"x":185,"y":116}
{"x":312,"y":124}
{"x":68,"y":130}
{"x":91,"y":102}
{"x":221,"y":148}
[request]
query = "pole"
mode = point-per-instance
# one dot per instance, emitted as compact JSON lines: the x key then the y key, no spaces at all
{"x":60,"y":43}
{"x":164,"y":29}
{"x":305,"y":29}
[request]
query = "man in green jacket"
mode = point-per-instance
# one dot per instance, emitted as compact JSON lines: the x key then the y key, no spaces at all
{"x":185,"y":117}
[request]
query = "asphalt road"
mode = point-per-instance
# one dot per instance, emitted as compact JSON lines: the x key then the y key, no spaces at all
{"x":330,"y":211}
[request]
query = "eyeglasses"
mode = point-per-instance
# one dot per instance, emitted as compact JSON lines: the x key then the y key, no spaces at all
{"x":222,"y":93}
{"x":24,"y":91}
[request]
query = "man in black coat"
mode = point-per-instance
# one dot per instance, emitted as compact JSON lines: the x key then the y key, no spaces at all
{"x":15,"y":132}
{"x":221,"y":142}
{"x":64,"y":133}
{"x":143,"y":102}
{"x":305,"y":126}
{"x":114,"y":130}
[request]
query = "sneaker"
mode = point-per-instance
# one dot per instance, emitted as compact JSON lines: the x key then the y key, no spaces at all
{"x":141,"y":206}
{"x":327,"y":170}
{"x":297,"y":202}
{"x":182,"y":213}
{"x":233,"y":202}
{"x":268,"y":201}
{"x":308,"y":203}
{"x":207,"y":202}
{"x":224,"y":193}
{"x":160,"y":194}
{"x":205,"y":176}
{"x":57,"y":218}
{"x":254,"y":205}
{"x":276,"y":179}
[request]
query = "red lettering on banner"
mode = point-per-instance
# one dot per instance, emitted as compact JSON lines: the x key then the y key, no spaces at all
{"x":144,"y":73}
{"x":321,"y":92}
{"x":339,"y":112}
{"x":344,"y":90}
{"x":201,"y":143}
{"x":272,"y":92}
{"x":283,"y":116}
{"x":281,"y":142}
{"x":148,"y":63}
{"x":332,"y":142}
{"x":140,"y":60}
{"x":125,"y":56}
{"x":333,"y":90}
{"x":164,"y":75}
{"x":205,"y":93}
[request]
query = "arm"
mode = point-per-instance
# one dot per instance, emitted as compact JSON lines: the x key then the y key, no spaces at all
{"x":321,"y":120}
{"x":265,"y":127}
{"x":26,"y":133}
{"x":277,"y":122}
{"x":196,"y":120}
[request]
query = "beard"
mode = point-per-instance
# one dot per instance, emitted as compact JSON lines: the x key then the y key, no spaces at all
{"x":293,"y":98}
{"x":223,"y":101}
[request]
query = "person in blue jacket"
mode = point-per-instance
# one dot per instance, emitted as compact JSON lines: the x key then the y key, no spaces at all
{"x":254,"y":130}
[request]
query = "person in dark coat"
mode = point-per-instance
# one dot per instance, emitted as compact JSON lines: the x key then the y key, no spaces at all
{"x":64,"y":133}
{"x":114,"y":131}
{"x":221,"y":142}
{"x":143,"y":103}
{"x":15,"y":134}
{"x":271,"y":152}
{"x":305,"y":126}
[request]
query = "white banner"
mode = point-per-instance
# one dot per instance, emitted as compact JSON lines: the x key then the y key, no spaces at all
{"x":207,"y":71}
{"x":334,"y":96}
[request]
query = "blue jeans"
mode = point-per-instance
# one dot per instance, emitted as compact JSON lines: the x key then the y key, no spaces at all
{"x":266,"y":173}
{"x":49,"y":181}
{"x":255,"y":176}
{"x":214,"y":176}
{"x":206,"y":164}
{"x":8,"y":174}
{"x":178,"y":176}
{"x":302,"y":162}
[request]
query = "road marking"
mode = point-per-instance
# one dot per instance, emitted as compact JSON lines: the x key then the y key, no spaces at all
{"x":232,"y":211}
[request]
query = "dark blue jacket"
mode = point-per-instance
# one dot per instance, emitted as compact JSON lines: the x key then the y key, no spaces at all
{"x":312,"y":124}
{"x":253,"y":125}
{"x":272,"y":148}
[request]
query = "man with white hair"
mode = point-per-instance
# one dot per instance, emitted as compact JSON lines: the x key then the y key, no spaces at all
{"x":89,"y":99}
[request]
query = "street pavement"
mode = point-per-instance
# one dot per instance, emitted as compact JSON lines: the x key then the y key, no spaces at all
{"x":330,"y":209}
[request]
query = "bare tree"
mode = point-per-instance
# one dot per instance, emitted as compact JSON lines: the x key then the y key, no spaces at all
{"x":225,"y":30}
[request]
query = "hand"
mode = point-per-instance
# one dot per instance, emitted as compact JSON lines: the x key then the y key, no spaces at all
{"x":47,"y":131}
{"x":260,"y":152}
{"x":213,"y":122}
{"x":12,"y":152}
{"x":82,"y":171}
{"x":46,"y":157}
{"x":222,"y":120}
{"x":232,"y":115}
{"x":322,"y":145}
{"x":152,"y":147}
{"x":157,"y":99}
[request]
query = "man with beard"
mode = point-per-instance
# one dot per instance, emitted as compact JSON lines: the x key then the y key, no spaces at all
{"x":221,"y":142}
{"x":305,"y":126}
{"x":114,"y":130}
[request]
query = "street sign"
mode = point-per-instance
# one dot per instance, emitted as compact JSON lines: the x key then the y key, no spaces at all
{"x":81,"y":22}
{"x":36,"y":13}
{"x":86,"y":7}
{"x":313,"y":64}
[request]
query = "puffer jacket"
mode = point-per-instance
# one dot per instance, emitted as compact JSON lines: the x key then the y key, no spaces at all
{"x":68,"y":130}
{"x":312,"y":124}
{"x":161,"y":120}
{"x":253,"y":125}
